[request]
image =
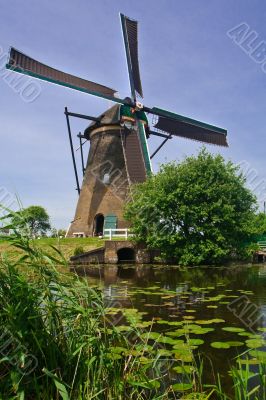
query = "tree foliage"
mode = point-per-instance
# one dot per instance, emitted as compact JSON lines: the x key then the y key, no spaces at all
{"x":36,"y":219}
{"x":198,"y":211}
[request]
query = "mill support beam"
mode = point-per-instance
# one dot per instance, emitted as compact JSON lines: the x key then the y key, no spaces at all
{"x":161,"y":145}
{"x":72,"y":149}
{"x":164,"y":135}
{"x":71,"y":114}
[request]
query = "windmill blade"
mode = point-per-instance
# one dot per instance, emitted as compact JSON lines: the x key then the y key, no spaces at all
{"x":179,"y":125}
{"x":24,"y":64}
{"x":130,"y":35}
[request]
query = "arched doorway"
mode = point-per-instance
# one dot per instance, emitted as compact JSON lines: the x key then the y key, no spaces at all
{"x":126,"y":255}
{"x":98,"y":225}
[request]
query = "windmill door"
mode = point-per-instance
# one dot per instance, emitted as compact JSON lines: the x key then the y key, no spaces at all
{"x":110,"y":221}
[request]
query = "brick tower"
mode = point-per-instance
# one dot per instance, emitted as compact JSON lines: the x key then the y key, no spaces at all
{"x":115,"y":161}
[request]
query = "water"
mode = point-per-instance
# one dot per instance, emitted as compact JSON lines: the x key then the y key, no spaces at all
{"x":203,"y":297}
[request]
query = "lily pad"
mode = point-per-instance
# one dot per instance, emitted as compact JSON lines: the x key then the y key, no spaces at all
{"x":248,"y":361}
{"x":166,"y":340}
{"x":235,"y":344}
{"x":255,"y":343}
{"x":181,"y":387}
{"x":118,"y":350}
{"x":183,"y":356}
{"x":164,"y":353}
{"x":195,"y":342}
{"x":150,"y":335}
{"x":184,"y":369}
{"x":202,"y":331}
{"x":233,"y":329}
{"x":220,"y":345}
{"x":259,"y":354}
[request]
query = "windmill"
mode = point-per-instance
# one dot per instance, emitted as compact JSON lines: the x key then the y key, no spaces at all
{"x":119,"y":154}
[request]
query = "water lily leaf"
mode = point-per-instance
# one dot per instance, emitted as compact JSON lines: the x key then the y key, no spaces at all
{"x":176,"y":323}
{"x":150,"y":335}
{"x":163,"y":322}
{"x":118,"y":350}
{"x":175,"y":333}
{"x":211,"y":306}
{"x":184,"y":369}
{"x":262,"y":329}
{"x":166,"y":340}
{"x":259,"y":354}
{"x":144,"y":324}
{"x":244,"y":334}
{"x":233,"y":329}
{"x":235,"y":343}
{"x":248,"y":361}
{"x":178,"y":344}
{"x":114,"y":356}
{"x":220,"y":345}
{"x":202,"y":331}
{"x":255,"y":343}
{"x":183,"y":356}
{"x":181,"y":387}
{"x":164,"y":353}
{"x":217,"y":320}
{"x":123,"y":328}
{"x":145,"y":360}
{"x":195,"y":342}
{"x":204,"y":321}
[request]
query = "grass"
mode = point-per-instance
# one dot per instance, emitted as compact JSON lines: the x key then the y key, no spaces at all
{"x":66,"y":246}
{"x":55,"y":342}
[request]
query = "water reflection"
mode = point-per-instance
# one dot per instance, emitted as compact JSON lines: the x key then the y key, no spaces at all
{"x":191,"y":295}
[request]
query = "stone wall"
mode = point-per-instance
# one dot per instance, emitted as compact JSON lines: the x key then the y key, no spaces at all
{"x":109,"y":254}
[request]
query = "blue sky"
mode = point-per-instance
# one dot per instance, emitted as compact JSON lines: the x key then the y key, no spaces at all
{"x":188,"y":63}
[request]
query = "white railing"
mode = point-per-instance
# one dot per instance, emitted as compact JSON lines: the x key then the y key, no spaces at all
{"x":122,"y":233}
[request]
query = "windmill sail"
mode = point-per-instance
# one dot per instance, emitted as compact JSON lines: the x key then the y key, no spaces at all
{"x":130,"y":34}
{"x":24,"y":64}
{"x":179,"y":125}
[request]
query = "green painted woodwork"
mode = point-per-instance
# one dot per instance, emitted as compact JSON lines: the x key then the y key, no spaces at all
{"x":110,"y":221}
{"x":128,"y":111}
{"x":144,"y":145}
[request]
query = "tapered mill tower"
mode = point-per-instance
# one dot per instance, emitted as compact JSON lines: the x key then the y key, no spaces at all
{"x":116,"y":160}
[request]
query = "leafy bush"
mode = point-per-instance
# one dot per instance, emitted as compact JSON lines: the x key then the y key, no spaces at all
{"x":195,"y":212}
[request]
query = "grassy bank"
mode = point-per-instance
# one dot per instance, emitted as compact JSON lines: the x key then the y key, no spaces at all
{"x":66,"y":246}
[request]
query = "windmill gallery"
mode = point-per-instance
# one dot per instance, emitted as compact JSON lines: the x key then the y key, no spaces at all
{"x":119,"y":155}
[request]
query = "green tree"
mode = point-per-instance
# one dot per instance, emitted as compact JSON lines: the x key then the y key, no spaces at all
{"x":36,"y":219}
{"x":198,"y":211}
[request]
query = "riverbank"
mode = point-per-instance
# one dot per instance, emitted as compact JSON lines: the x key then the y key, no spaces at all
{"x":66,"y":246}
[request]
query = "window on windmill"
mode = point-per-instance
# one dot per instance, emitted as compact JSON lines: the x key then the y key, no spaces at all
{"x":106,"y":179}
